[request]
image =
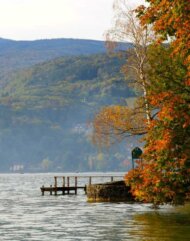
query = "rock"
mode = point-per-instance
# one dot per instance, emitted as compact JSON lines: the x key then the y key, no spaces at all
{"x":109,"y":192}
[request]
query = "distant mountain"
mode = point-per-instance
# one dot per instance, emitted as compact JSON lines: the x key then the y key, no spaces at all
{"x":16,"y":55}
{"x":45,"y":114}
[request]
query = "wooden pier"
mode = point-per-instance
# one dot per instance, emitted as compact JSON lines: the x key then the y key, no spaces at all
{"x":70,"y":184}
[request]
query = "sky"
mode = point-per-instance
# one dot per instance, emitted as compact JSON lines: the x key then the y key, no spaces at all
{"x":46,"y":19}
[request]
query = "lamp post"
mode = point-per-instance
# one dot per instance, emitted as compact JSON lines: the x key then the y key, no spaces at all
{"x":136,"y":153}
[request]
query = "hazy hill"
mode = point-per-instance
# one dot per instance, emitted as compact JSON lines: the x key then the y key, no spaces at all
{"x":16,"y":55}
{"x":94,"y":80}
{"x":45,"y":111}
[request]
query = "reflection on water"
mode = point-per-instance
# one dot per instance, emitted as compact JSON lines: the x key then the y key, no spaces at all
{"x":167,"y":224}
{"x":26,"y":215}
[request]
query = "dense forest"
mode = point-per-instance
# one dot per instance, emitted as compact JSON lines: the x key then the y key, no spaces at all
{"x":46,"y":112}
{"x":16,"y":55}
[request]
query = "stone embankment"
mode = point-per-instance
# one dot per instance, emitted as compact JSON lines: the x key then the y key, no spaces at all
{"x":109,"y":192}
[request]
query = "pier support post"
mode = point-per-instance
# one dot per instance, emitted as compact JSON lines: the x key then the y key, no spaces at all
{"x":90,"y":180}
{"x":75,"y":185}
{"x":63,"y":192}
{"x":68,"y":184}
{"x":55,"y":178}
{"x":42,"y":189}
{"x":85,"y":189}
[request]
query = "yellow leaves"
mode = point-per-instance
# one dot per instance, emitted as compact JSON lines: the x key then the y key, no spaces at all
{"x":115,"y":122}
{"x":138,"y":193}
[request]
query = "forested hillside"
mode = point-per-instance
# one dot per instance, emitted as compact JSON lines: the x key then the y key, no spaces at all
{"x":16,"y":55}
{"x":45,"y":114}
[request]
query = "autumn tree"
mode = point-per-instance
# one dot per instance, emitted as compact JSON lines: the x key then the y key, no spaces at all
{"x":114,"y":123}
{"x":164,"y":174}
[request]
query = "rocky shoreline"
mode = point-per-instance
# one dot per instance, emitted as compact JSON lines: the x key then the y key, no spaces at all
{"x":116,"y":191}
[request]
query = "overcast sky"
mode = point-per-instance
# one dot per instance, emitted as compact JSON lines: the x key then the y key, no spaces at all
{"x":39,"y":19}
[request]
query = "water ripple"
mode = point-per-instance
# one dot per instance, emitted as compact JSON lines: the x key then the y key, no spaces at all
{"x":26,"y":215}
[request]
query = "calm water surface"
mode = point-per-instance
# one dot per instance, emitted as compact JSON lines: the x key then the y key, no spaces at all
{"x":26,"y":215}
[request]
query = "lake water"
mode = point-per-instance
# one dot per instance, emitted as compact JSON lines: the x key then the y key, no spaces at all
{"x":26,"y":215}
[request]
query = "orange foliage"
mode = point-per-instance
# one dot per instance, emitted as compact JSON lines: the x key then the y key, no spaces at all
{"x":164,"y":174}
{"x":170,"y":18}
